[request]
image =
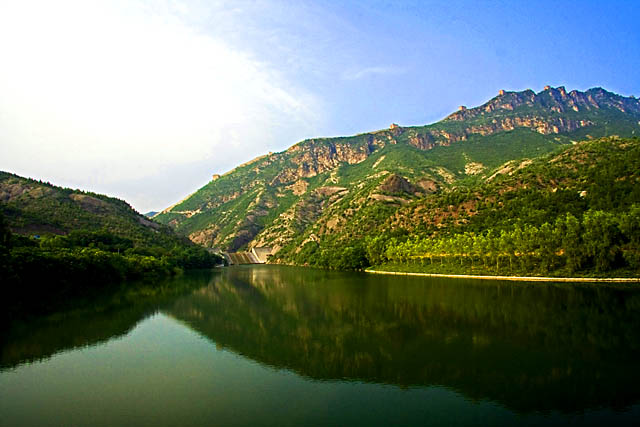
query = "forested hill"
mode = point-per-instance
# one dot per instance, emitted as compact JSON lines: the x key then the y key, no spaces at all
{"x":322,"y":189}
{"x":57,"y":242}
{"x":572,"y":212}
{"x":33,"y":207}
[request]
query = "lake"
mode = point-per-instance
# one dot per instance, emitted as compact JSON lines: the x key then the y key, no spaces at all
{"x":270,"y":345}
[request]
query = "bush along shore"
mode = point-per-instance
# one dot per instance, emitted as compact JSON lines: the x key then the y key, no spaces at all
{"x":50,"y":268}
{"x":600,"y":244}
{"x":401,"y":270}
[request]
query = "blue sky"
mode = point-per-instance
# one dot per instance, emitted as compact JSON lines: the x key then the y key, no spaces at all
{"x":144,"y":100}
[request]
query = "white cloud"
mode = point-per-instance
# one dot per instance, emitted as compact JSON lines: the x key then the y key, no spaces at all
{"x":372,"y":71}
{"x":112,"y":91}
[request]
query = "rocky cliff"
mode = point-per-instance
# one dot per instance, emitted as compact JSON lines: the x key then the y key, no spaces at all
{"x":325,"y":185}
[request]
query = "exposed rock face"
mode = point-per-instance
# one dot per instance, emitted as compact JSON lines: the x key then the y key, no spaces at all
{"x":312,"y":158}
{"x":12,"y":191}
{"x":395,"y":184}
{"x":473,"y":168}
{"x":388,"y":199}
{"x":424,"y":141}
{"x":541,"y":119}
{"x":447,"y":176}
{"x":553,"y":99}
{"x":428,"y":185}
{"x":147,"y":223}
{"x":271,"y":199}
{"x":510,"y":167}
{"x":330,"y":191}
{"x":90,"y":204}
{"x":205,"y":237}
{"x":299,"y":187}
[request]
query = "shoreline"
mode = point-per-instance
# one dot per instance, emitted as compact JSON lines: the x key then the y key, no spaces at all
{"x":513,"y":278}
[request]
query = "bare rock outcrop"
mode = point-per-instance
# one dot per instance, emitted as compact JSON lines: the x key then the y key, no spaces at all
{"x":395,"y":184}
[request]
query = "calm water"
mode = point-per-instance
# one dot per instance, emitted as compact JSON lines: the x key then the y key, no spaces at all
{"x":280,"y":346}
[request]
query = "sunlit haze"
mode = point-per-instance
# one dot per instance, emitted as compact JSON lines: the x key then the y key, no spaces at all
{"x":145,"y":100}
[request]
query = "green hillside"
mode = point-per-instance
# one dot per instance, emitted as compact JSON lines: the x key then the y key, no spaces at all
{"x":57,"y":243}
{"x":34,"y":207}
{"x":572,"y":212}
{"x":333,"y":190}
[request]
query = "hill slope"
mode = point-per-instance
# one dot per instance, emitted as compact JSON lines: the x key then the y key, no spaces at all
{"x":33,"y":207}
{"x":57,"y":244}
{"x":64,"y":222}
{"x":572,"y":212}
{"x":328,"y":186}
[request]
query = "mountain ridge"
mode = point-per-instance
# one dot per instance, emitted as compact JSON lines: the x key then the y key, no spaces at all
{"x":269,"y":199}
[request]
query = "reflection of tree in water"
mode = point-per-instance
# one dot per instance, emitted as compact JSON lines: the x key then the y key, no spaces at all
{"x":94,"y":321}
{"x":528,"y":346}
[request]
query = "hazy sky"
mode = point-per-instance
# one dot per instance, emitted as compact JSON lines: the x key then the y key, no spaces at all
{"x":144,"y":100}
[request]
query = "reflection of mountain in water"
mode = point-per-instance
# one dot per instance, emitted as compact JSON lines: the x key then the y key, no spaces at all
{"x":101,"y":320}
{"x":529,"y":347}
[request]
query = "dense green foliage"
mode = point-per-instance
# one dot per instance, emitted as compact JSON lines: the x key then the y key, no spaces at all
{"x":600,"y":242}
{"x":58,"y":242}
{"x":573,"y":212}
{"x":55,"y":266}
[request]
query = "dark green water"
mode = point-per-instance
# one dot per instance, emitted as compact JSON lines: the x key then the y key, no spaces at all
{"x":281,"y":346}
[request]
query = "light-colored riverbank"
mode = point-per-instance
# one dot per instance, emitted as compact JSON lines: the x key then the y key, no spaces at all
{"x":514,"y":278}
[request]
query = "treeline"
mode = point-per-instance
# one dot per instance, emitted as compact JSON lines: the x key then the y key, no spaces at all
{"x":598,"y":242}
{"x":175,"y":256}
{"x":54,"y":267}
{"x":351,"y":256}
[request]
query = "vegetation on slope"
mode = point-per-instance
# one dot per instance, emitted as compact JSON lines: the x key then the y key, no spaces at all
{"x":37,"y":208}
{"x":574,"y":212}
{"x":326,"y":187}
{"x":57,"y":242}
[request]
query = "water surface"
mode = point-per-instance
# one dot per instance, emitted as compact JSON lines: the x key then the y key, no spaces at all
{"x":269,"y":345}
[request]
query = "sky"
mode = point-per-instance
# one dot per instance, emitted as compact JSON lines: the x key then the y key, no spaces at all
{"x":145,"y":100}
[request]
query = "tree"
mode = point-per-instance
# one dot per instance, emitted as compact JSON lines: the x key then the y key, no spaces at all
{"x":375,"y":248}
{"x":601,"y":238}
{"x":507,"y":245}
{"x":549,"y":246}
{"x":5,"y":233}
{"x":630,"y":228}
{"x":569,"y":232}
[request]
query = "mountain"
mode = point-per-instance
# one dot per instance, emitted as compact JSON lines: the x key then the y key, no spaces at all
{"x":332,"y":189}
{"x":574,"y":212}
{"x":33,"y":207}
{"x":59,"y":244}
